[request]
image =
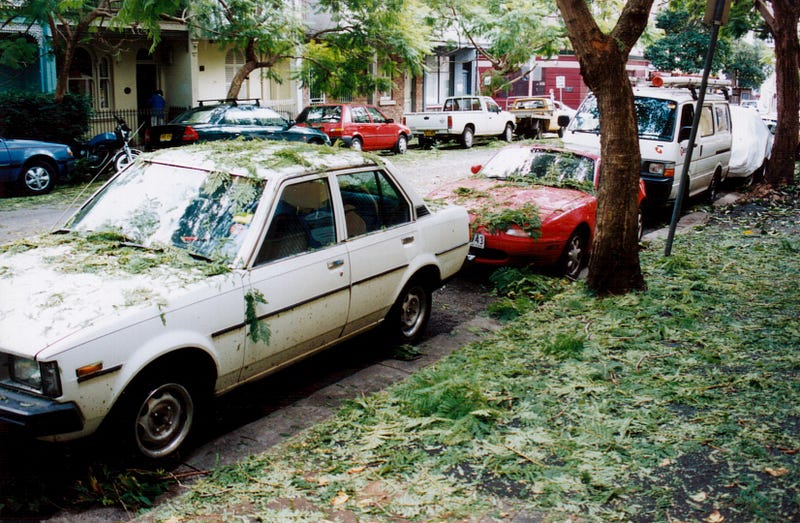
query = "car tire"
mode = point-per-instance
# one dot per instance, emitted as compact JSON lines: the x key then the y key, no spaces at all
{"x":508,"y":133}
{"x":467,"y":137}
{"x":121,"y":160}
{"x":357,"y":144}
{"x":157,"y":414}
{"x":425,"y":143}
{"x":401,"y":147}
{"x":713,"y":190}
{"x":574,"y":256}
{"x":38,"y":177}
{"x":409,"y":316}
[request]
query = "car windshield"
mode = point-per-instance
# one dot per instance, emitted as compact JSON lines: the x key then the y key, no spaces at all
{"x":321,"y":114}
{"x":656,"y":117}
{"x":542,"y":167}
{"x":156,"y":205}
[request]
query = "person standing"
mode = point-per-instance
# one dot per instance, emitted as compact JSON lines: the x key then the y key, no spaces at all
{"x":157,"y":104}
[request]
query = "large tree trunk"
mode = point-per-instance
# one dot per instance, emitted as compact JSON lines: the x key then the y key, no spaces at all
{"x":614,"y":263}
{"x":251,"y":63}
{"x":782,"y":22}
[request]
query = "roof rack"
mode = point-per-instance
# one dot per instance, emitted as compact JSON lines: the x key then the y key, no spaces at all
{"x":234,"y":101}
{"x":692,"y":83}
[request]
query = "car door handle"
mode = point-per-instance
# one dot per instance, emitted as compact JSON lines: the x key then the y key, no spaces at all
{"x":335,"y":264}
{"x":407,"y":240}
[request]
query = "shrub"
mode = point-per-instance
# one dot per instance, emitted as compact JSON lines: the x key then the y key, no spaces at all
{"x":36,"y":116}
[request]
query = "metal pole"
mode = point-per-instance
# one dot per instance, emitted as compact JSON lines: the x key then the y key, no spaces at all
{"x":684,"y":180}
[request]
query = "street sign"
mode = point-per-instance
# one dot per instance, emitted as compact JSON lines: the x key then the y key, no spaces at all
{"x":560,"y":82}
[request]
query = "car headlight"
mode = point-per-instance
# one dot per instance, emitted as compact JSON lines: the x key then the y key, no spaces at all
{"x":41,"y":376}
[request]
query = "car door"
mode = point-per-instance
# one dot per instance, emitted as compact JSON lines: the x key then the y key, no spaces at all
{"x":382,"y":131}
{"x":5,"y":162}
{"x":362,"y":126}
{"x":381,"y":240}
{"x":496,"y":124}
{"x":299,"y":283}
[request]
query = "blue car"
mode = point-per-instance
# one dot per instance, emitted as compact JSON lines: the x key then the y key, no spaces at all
{"x":34,"y":166}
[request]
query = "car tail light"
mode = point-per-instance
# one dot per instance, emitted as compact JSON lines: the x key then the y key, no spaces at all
{"x":190,"y":135}
{"x":147,"y":136}
{"x":449,"y":122}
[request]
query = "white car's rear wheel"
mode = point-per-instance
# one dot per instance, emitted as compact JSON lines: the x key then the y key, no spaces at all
{"x":410,"y":314}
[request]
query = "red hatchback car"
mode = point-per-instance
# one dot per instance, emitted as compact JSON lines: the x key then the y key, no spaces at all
{"x":361,"y":127}
{"x":532,"y":205}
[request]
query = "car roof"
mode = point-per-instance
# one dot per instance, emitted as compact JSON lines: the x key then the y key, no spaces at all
{"x":679,"y":94}
{"x":264,"y":159}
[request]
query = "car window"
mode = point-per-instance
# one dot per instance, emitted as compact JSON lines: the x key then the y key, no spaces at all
{"x":377,"y":116}
{"x":491,"y":106}
{"x":723,"y":118}
{"x":199,"y":115}
{"x":359,"y":115}
{"x":267,"y":117}
{"x":656,"y":117}
{"x":321,"y":114}
{"x":302,"y":221}
{"x":706,"y":126}
{"x":239,"y":116}
{"x":371,"y":201}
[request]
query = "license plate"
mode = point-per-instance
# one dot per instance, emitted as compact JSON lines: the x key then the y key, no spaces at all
{"x":166,"y":137}
{"x":429,"y":133}
{"x":478,"y":241}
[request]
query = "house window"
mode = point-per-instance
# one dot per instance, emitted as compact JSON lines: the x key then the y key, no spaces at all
{"x":92,"y":78}
{"x":234,"y":60}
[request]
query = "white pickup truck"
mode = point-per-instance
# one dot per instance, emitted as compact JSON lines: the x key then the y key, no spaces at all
{"x":462,"y":118}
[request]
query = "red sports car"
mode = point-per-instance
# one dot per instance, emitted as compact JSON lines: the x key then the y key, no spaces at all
{"x":362,"y":127}
{"x":532,"y":205}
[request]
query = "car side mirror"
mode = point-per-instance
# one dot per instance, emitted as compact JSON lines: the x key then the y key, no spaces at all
{"x":563,"y":120}
{"x":684,"y":133}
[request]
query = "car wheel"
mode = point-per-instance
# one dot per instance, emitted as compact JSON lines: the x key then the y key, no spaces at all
{"x":122,"y":160}
{"x":713,"y":189}
{"x":356,"y":144}
{"x":538,"y":130}
{"x":38,"y":177}
{"x":574,"y":256}
{"x":508,"y":133}
{"x":157,"y":415}
{"x":425,"y":143}
{"x":402,"y":144}
{"x":409,"y":316}
{"x":639,"y":225}
{"x":467,"y":137}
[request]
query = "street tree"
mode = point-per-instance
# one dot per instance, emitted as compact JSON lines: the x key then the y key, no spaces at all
{"x":614,"y":263}
{"x":509,"y":37}
{"x":781,"y":18}
{"x":69,"y":21}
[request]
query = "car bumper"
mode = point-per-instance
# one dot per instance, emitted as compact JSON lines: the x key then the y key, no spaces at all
{"x":38,"y":416}
{"x":658,"y":190}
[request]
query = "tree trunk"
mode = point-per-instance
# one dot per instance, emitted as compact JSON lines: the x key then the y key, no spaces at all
{"x":614,"y":263}
{"x":782,"y":23}
{"x":251,"y":63}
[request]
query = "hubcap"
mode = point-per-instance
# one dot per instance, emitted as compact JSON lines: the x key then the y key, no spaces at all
{"x":164,"y":420}
{"x":574,"y":257}
{"x":37,"y":178}
{"x":412,"y":312}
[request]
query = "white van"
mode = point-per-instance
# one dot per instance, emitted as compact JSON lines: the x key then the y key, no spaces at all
{"x":665,"y":111}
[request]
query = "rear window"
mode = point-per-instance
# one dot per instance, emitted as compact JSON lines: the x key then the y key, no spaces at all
{"x":321,"y":114}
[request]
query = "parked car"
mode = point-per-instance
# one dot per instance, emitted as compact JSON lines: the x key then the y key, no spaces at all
{"x":34,"y":166}
{"x":198,"y":269}
{"x":361,"y":127}
{"x":226,"y":121}
{"x":462,"y":118}
{"x":537,"y":115}
{"x":772,"y":123}
{"x":665,"y":112}
{"x":532,"y":205}
{"x":751,"y":145}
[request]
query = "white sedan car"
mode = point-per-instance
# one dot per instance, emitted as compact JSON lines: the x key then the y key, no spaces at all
{"x":199,"y":269}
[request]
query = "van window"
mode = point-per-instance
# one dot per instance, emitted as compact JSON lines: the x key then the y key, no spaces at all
{"x":723,"y":118}
{"x":706,"y":127}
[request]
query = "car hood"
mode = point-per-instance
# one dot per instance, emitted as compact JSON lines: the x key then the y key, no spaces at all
{"x":476,"y":193}
{"x":34,"y":144}
{"x":52,"y":287}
